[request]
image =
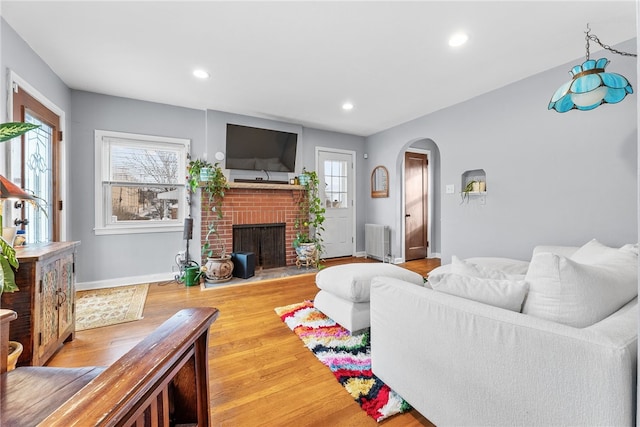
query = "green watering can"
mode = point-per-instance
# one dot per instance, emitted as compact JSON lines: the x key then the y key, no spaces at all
{"x":192,"y":274}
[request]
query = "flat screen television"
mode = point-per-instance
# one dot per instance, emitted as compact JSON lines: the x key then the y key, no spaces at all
{"x":256,"y":149}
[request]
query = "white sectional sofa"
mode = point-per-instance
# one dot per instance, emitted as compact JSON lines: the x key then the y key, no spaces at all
{"x":459,"y":361}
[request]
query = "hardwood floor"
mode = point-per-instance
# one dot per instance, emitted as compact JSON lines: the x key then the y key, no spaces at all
{"x":260,"y":373}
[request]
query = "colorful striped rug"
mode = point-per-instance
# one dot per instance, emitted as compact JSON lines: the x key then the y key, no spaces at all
{"x":348,"y":356}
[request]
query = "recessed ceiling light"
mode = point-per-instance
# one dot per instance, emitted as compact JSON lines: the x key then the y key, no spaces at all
{"x":458,"y":39}
{"x":347,"y":106}
{"x":201,"y":74}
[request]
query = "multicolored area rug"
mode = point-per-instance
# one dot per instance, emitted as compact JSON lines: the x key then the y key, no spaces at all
{"x":348,"y":356}
{"x":104,"y":307}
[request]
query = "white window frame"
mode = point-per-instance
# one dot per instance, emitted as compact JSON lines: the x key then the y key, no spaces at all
{"x":102,"y":176}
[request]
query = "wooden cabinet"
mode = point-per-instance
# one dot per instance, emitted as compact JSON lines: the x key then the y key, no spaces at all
{"x":45,"y":302}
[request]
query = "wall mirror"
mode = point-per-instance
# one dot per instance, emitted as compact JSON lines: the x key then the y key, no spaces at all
{"x":380,"y":182}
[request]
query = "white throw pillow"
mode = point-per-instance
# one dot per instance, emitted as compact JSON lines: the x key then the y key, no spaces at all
{"x":630,"y":247}
{"x":510,"y":266}
{"x":485,"y":267}
{"x":507,"y":294}
{"x":595,"y":253}
{"x":566,"y":291}
{"x":466,"y":268}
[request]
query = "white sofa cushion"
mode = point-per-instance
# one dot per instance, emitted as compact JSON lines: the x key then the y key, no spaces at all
{"x":353,"y":281}
{"x":503,"y":293}
{"x":567,"y":291}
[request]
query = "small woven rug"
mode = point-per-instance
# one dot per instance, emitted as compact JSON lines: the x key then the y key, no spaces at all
{"x":110,"y":306}
{"x":347,"y":356}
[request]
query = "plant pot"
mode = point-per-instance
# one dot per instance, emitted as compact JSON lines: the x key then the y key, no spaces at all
{"x":219,"y":269}
{"x":306,"y":251}
{"x":15,"y":350}
{"x":205,"y":173}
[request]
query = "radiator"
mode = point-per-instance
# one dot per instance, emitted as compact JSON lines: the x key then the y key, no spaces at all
{"x":376,"y":241}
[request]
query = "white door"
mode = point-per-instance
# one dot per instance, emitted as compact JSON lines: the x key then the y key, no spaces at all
{"x":335,"y":170}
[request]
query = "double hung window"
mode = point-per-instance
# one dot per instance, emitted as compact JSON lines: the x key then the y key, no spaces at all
{"x":140,"y":183}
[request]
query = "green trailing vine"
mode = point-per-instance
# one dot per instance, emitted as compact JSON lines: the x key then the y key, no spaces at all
{"x":210,"y":178}
{"x":311,"y":214}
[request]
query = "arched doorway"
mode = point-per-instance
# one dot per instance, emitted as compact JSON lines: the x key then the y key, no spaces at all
{"x":419,"y":166}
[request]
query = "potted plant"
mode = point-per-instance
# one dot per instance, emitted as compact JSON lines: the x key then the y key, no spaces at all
{"x":11,"y":130}
{"x":309,"y":223}
{"x":8,"y":260}
{"x":218,"y":266}
{"x":471,"y":187}
{"x":199,"y":171}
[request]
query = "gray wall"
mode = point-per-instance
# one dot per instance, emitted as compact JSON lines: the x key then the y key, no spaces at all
{"x":19,"y":57}
{"x":551,"y":178}
{"x":122,"y":255}
{"x":106,"y":257}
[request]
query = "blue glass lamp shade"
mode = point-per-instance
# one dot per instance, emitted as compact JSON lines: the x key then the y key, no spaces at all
{"x":590,"y":87}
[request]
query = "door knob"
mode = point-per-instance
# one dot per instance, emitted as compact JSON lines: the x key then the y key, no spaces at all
{"x":18,"y":222}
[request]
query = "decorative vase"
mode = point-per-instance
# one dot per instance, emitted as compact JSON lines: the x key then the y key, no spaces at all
{"x":219,"y":269}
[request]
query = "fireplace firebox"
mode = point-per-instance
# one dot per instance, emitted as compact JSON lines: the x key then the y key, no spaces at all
{"x":266,"y":241}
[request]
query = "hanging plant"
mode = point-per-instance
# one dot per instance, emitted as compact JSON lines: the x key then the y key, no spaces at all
{"x":214,"y":186}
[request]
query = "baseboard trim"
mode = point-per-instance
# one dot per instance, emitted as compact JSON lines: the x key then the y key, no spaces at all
{"x":124,"y":281}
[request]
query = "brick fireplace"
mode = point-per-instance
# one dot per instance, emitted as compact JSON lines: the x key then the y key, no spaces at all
{"x":256,"y":203}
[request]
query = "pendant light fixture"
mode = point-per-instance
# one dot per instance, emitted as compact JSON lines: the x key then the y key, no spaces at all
{"x":591,"y":85}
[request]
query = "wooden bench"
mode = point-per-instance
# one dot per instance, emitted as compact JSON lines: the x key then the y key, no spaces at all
{"x":162,"y":381}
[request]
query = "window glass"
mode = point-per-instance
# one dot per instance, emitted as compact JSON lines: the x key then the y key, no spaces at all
{"x":38,"y":168}
{"x":335,"y":175}
{"x":142,"y":184}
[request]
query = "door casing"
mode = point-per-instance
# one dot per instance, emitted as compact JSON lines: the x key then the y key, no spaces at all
{"x":15,"y":79}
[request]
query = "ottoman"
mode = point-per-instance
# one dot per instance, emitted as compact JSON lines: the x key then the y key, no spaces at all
{"x":345,"y":289}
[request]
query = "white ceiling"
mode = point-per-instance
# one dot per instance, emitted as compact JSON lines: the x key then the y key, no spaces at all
{"x":300,"y":61}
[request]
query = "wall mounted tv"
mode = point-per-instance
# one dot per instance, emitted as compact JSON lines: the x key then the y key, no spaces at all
{"x":256,"y":149}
